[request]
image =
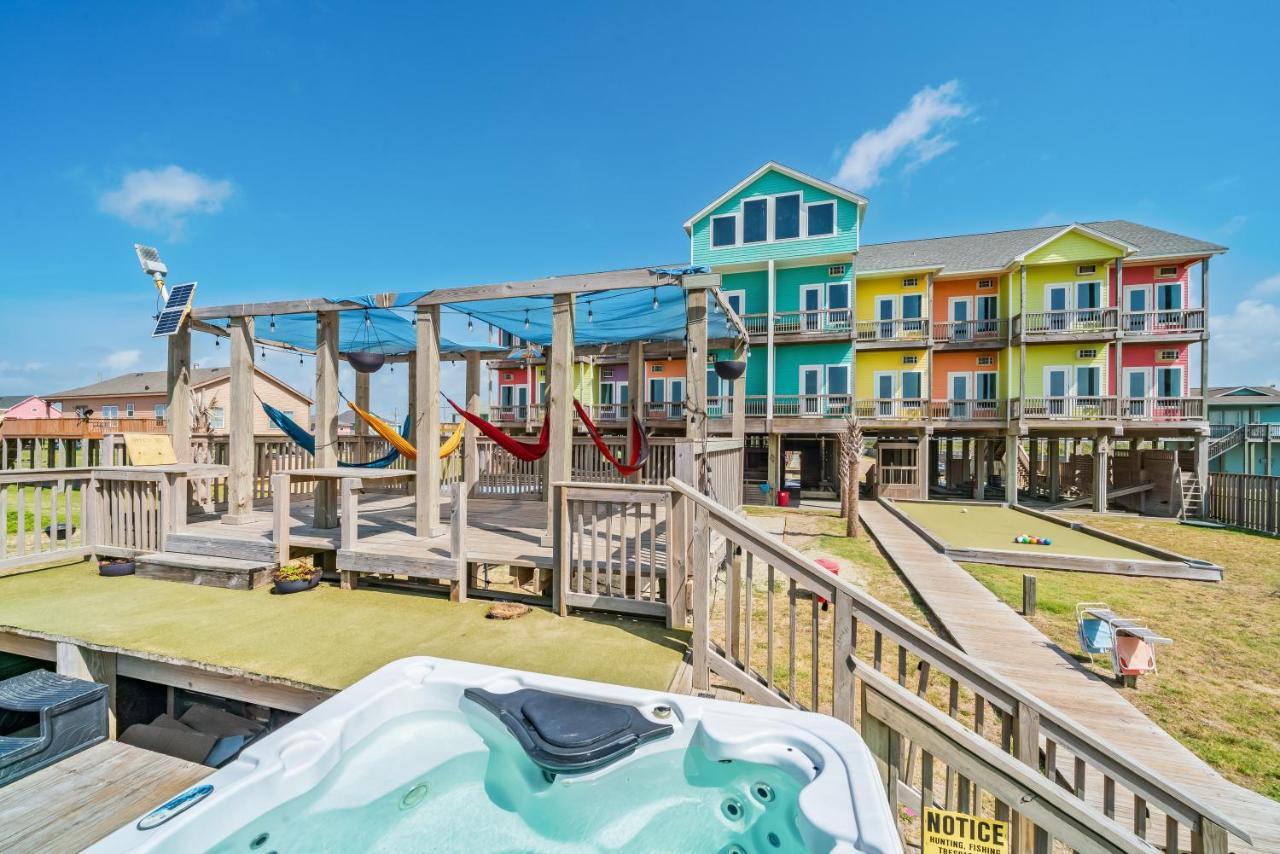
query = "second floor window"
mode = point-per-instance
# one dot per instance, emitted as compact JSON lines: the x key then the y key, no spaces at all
{"x":110,"y":411}
{"x":755,"y":221}
{"x":1088,"y":294}
{"x":217,"y":418}
{"x":128,"y":410}
{"x":822,"y":219}
{"x":724,"y":230}
{"x":786,"y":217}
{"x":1088,"y":382}
{"x":159,"y":410}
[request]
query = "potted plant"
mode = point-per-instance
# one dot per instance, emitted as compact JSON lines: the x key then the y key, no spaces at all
{"x":116,"y":567}
{"x":295,"y":577}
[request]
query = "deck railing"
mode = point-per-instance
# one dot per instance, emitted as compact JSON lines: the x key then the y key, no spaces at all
{"x":893,"y":409}
{"x":992,"y":331}
{"x":1065,"y":408}
{"x":1262,"y":432}
{"x":968,"y":410}
{"x":814,"y":321}
{"x":1079,"y":321}
{"x":75,"y":427}
{"x":1176,"y":321}
{"x":895,"y":329}
{"x":812,"y":405}
{"x":1162,"y":408}
{"x":786,"y":632}
{"x":49,"y":517}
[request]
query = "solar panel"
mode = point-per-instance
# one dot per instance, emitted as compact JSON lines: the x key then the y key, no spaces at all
{"x":149,"y":258}
{"x":175,"y":309}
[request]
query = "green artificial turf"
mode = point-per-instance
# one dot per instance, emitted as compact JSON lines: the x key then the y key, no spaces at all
{"x":329,"y":637}
{"x":994,"y":527}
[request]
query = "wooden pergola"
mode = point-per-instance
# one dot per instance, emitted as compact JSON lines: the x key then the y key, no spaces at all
{"x":424,"y":366}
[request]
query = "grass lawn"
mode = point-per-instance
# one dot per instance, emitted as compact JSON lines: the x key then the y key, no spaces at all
{"x":11,"y":516}
{"x":330,"y":637}
{"x":1217,"y":690}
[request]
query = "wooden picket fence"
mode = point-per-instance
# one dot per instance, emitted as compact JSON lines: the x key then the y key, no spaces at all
{"x":1250,"y":501}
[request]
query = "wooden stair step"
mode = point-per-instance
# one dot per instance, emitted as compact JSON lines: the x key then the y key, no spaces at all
{"x":206,"y":570}
{"x":260,"y":549}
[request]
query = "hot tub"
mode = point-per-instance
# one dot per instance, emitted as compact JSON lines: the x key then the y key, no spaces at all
{"x":431,"y":754}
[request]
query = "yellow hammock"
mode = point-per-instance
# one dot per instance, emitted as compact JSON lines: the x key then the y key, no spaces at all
{"x":398,"y":442}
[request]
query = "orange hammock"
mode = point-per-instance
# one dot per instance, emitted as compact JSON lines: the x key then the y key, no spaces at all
{"x":386,"y":431}
{"x":526,"y":451}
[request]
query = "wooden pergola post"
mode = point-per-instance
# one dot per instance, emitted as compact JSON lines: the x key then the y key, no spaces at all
{"x":470,"y":447}
{"x":426,"y":417}
{"x":695,"y":380}
{"x":979,"y":469}
{"x":240,"y":456}
{"x":1101,"y":470}
{"x":411,"y":369}
{"x":1055,"y":472}
{"x":326,"y":455}
{"x":559,"y":404}
{"x":178,"y":405}
{"x":635,"y":394}
{"x":362,"y":429}
{"x":738,"y":403}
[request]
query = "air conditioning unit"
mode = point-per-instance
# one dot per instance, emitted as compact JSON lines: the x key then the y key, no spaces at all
{"x":1086,"y":269}
{"x":1091,"y":353}
{"x":1167,"y":356}
{"x":910,"y":360}
{"x":1167,"y":272}
{"x":986,"y":361}
{"x":986,"y":284}
{"x":836,"y":270}
{"x":606,"y":373}
{"x":910,"y":282}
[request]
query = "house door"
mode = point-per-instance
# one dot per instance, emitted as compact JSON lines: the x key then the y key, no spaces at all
{"x":1137,"y":390}
{"x":884,"y":314}
{"x":1137,"y":302}
{"x":1056,"y":383}
{"x":884,"y":393}
{"x":676,"y":403}
{"x":988,"y":308}
{"x":961,"y":315}
{"x":810,"y":391}
{"x":657,"y":397}
{"x":811,"y":306}
{"x":522,"y":403}
{"x":958,"y":384}
{"x":1057,"y":301}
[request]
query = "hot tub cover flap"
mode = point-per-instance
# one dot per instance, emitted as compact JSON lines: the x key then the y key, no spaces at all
{"x":561,"y":733}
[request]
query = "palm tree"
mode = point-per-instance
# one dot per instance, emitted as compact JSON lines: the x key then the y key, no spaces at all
{"x":851,"y":449}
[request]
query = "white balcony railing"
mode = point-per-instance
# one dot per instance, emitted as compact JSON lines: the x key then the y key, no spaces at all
{"x":1178,"y":321}
{"x":897,"y":329}
{"x":969,"y":410}
{"x":1074,"y":321}
{"x":1162,"y":408}
{"x":994,"y":330}
{"x":815,"y":322}
{"x":1099,"y":408}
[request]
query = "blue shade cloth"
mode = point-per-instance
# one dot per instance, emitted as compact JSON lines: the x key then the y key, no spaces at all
{"x":307,"y":442}
{"x":377,"y":330}
{"x":679,"y":271}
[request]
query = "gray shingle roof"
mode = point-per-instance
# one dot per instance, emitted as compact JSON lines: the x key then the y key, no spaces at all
{"x":996,"y":250}
{"x":1223,"y":394}
{"x":8,"y":401}
{"x":150,"y":382}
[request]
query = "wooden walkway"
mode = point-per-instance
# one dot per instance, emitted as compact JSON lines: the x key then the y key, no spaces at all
{"x":986,"y":628}
{"x":73,"y":804}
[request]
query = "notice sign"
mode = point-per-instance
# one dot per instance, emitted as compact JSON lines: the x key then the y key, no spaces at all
{"x":150,"y":449}
{"x":947,"y":832}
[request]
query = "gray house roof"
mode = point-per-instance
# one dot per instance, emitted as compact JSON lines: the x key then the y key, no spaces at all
{"x":8,"y":401}
{"x":155,"y":382}
{"x":998,"y":249}
{"x":1228,"y":394}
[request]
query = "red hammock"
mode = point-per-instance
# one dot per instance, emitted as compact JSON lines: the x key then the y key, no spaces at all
{"x":527,"y":451}
{"x":639,"y":443}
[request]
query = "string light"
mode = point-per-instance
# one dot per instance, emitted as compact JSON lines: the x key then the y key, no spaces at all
{"x":655,"y":299}
{"x":217,"y":342}
{"x":262,"y":353}
{"x":471,"y":324}
{"x":591,"y":314}
{"x":526,"y":318}
{"x":273,"y":323}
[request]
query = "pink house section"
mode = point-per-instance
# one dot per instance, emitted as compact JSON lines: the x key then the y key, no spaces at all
{"x":32,"y":407}
{"x":1153,"y":356}
{"x":1145,"y":277}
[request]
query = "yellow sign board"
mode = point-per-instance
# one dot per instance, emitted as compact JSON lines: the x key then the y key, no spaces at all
{"x":150,"y":449}
{"x":946,"y":832}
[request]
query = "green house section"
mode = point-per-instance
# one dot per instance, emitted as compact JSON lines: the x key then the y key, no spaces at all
{"x":754,"y":286}
{"x":789,"y":358}
{"x":791,"y":279}
{"x":1074,"y":247}
{"x":772,"y":182}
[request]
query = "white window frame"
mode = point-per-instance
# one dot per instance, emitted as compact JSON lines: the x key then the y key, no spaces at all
{"x":742,"y":300}
{"x":737,"y":231}
{"x":217,"y":418}
{"x":1068,"y":387}
{"x":1159,"y":275}
{"x":821,"y":291}
{"x":801,"y":222}
{"x":1155,"y":384}
{"x":848,"y":286}
{"x":1149,"y":383}
{"x":160,"y":410}
{"x":1090,"y":366}
{"x":1091,"y":272}
{"x":821,"y":371}
{"x":742,"y":220}
{"x":952,"y":302}
{"x":1147,"y":289}
{"x":970,"y":388}
{"x":1102,"y":293}
{"x":995,"y":384}
{"x":804,"y":216}
{"x":128,"y":410}
{"x":895,"y":386}
{"x":826,"y":377}
{"x":924,"y":391}
{"x":1069,"y":287}
{"x":110,"y":410}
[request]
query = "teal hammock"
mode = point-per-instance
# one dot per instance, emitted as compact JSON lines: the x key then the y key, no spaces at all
{"x":294,"y":431}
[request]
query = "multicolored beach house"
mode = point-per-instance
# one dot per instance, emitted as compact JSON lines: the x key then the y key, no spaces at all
{"x":960,"y":357}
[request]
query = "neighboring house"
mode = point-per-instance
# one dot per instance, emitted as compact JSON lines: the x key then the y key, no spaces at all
{"x":1048,"y":333}
{"x":144,"y":396}
{"x":26,"y":406}
{"x":1245,"y":424}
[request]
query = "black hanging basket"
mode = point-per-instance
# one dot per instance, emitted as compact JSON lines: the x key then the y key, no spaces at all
{"x":366,"y":363}
{"x":730,"y":369}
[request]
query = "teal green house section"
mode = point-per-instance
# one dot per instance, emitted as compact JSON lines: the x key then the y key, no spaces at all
{"x":789,"y":358}
{"x":770,"y":181}
{"x":791,"y":279}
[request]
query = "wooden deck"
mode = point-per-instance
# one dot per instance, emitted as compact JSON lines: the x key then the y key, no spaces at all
{"x":73,"y":804}
{"x":989,"y":630}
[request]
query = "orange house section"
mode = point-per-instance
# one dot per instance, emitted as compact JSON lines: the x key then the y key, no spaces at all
{"x":946,"y":362}
{"x":945,"y":289}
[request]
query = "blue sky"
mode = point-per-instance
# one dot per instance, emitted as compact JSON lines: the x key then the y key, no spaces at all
{"x":277,"y":150}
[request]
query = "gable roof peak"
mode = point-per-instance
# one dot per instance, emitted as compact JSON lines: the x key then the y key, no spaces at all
{"x":775,"y":166}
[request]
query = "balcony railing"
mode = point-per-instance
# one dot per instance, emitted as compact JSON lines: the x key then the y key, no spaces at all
{"x":817,"y":321}
{"x":1074,"y":321}
{"x":659,"y":411}
{"x":1162,"y":408}
{"x":1066,"y":408}
{"x":812,"y":405}
{"x":1262,"y":432}
{"x":515,"y":413}
{"x":969,"y":410}
{"x":1169,"y":322}
{"x":995,"y":330}
{"x":897,"y":329}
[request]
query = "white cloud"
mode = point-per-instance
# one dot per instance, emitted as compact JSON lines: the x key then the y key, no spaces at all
{"x":164,"y":198}
{"x":918,"y":132}
{"x":1234,"y":224}
{"x":1268,"y":286}
{"x":119,"y":360}
{"x":1245,"y":348}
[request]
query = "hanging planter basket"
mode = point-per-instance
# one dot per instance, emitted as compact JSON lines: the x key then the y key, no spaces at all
{"x":731,"y":369}
{"x":366,"y":363}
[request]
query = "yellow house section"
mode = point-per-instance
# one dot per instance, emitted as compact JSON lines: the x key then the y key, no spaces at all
{"x":1074,"y":247}
{"x":1039,"y":277}
{"x":1041,"y":356}
{"x":584,"y":381}
{"x":873,"y":362}
{"x":871,"y":288}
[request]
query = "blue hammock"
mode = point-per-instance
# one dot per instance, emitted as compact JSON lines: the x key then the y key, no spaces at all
{"x":308,"y":442}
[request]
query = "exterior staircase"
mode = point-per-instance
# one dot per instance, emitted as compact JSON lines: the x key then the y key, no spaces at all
{"x":233,"y":563}
{"x":1192,"y":495}
{"x":1220,"y":444}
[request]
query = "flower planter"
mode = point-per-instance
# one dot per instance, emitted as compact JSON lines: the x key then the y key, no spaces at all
{"x":116,"y":569}
{"x":298,"y":585}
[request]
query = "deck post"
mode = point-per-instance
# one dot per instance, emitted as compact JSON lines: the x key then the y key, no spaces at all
{"x":700,"y":558}
{"x":979,"y":469}
{"x":326,"y":455}
{"x":458,"y":542}
{"x":362,"y":429}
{"x":738,"y":404}
{"x":1202,"y":471}
{"x":1204,"y":339}
{"x":695,"y":380}
{"x":1011,"y":469}
{"x":470,"y":447}
{"x":635,"y":395}
{"x":560,"y":405}
{"x":240,"y":445}
{"x":426,"y":417}
{"x":80,"y":662}
{"x":1026,"y":735}
{"x":1101,"y":464}
{"x":922,"y":463}
{"x":177,"y":411}
{"x":1055,"y":472}
{"x":411,"y":411}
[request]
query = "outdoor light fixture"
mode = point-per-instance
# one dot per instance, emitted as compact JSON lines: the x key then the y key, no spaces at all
{"x":655,"y":299}
{"x":730,"y":369}
{"x":526,"y":318}
{"x":591,"y":314}
{"x":149,"y":259}
{"x":273,"y":323}
{"x":471,"y":325}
